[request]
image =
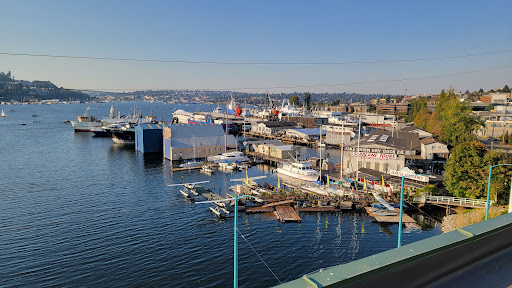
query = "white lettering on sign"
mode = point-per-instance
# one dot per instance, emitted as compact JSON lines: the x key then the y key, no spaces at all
{"x":376,"y":150}
{"x":408,"y":175}
{"x":374,"y":156}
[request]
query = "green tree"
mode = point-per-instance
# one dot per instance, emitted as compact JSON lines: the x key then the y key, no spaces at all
{"x":372,"y":108}
{"x":307,"y":100}
{"x":505,"y":89}
{"x":335,"y":102}
{"x":453,"y":121}
{"x":500,"y":178}
{"x":417,"y":105}
{"x":481,"y":91}
{"x":464,"y":170}
{"x":294,"y":100}
{"x":489,"y":107}
{"x":505,"y":140}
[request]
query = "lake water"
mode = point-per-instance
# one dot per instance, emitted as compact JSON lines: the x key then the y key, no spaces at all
{"x":79,"y":211}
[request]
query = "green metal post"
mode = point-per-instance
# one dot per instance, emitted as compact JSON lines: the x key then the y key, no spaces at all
{"x":235,"y":260}
{"x":401,"y":211}
{"x":488,"y":192}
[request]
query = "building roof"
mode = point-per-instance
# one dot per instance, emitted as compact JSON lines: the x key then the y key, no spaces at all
{"x":151,"y":126}
{"x":428,"y":140}
{"x":308,"y":131}
{"x":400,"y":140}
{"x":276,"y":124}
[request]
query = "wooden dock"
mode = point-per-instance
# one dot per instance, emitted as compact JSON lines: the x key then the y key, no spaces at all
{"x":286,"y":214}
{"x":318,"y":209}
{"x":390,"y":219}
{"x":258,"y":209}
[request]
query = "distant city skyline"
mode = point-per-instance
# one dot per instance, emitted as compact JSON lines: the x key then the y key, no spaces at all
{"x":370,"y":47}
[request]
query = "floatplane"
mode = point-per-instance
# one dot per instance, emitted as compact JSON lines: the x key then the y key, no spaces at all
{"x":188,"y":190}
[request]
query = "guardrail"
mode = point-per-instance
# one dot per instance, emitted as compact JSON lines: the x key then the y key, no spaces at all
{"x":455,"y":201}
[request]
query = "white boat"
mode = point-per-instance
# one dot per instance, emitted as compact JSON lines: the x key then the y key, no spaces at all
{"x":193,"y":163}
{"x":3,"y":114}
{"x":302,"y":170}
{"x":207,"y":169}
{"x":227,"y":166}
{"x":85,"y":122}
{"x":233,"y":156}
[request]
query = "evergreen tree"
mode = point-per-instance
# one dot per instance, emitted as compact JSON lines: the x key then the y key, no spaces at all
{"x":505,"y":89}
{"x":465,"y":176}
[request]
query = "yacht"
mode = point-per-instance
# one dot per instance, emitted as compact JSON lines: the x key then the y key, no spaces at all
{"x":232,"y":156}
{"x":302,"y":170}
{"x":85,"y":122}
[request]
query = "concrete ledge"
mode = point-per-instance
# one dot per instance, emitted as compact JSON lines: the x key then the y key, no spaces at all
{"x":420,"y":263}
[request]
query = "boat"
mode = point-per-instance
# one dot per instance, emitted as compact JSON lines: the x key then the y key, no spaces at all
{"x":232,"y":156}
{"x":3,"y":114}
{"x":23,"y":124}
{"x":207,"y":169}
{"x":123,"y":135}
{"x":192,"y":163}
{"x":85,"y":122}
{"x":302,"y":170}
{"x":228,"y":166}
{"x":34,"y":115}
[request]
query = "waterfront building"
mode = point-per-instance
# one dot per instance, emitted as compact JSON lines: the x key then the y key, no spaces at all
{"x":271,"y":127}
{"x":149,"y":137}
{"x":189,"y":141}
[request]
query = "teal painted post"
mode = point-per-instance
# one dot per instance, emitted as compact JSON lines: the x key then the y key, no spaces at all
{"x":401,"y":211}
{"x":488,"y":192}
{"x":235,"y":260}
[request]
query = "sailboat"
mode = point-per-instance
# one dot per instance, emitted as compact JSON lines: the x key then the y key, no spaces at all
{"x":194,"y":162}
{"x":3,"y":114}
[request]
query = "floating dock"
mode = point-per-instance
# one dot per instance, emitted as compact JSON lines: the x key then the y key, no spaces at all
{"x":259,"y":209}
{"x":390,"y":218}
{"x":286,"y":214}
{"x":318,"y":209}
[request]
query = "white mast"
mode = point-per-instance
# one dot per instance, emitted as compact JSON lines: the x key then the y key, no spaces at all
{"x":357,"y":157}
{"x":321,"y":158}
{"x":194,"y":145}
{"x":342,"y":142}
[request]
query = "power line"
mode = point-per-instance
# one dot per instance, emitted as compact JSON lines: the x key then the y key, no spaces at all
{"x":253,"y":63}
{"x":317,"y":85}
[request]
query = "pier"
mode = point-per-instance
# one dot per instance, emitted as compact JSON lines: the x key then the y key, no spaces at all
{"x":286,"y":214}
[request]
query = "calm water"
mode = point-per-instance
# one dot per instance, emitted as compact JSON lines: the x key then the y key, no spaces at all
{"x":81,"y":211}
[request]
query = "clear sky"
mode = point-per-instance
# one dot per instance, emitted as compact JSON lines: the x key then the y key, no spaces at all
{"x":260,"y":31}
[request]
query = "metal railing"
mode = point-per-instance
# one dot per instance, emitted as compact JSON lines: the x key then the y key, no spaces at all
{"x":455,"y":201}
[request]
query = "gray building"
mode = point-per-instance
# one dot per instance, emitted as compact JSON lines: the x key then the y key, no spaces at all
{"x":182,"y":141}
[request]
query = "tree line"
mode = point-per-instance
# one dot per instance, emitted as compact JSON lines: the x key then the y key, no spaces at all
{"x":466,"y":170}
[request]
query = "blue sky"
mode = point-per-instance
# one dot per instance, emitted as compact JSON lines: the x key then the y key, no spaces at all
{"x":259,"y":31}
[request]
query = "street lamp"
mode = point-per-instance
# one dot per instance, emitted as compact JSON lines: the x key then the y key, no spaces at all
{"x":401,"y":210}
{"x":235,"y":228}
{"x":489,"y":188}
{"x":235,"y":238}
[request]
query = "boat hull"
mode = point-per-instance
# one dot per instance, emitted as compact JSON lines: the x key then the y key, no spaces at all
{"x":309,"y":178}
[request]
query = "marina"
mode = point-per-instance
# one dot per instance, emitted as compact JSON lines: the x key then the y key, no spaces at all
{"x":124,"y":201}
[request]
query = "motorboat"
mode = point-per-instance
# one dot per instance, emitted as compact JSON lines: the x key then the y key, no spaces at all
{"x":191,"y":164}
{"x":302,"y":170}
{"x":232,"y":156}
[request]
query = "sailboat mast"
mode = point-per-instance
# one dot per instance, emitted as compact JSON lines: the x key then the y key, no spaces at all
{"x":342,"y":142}
{"x":321,"y":160}
{"x":357,"y":158}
